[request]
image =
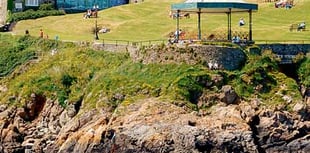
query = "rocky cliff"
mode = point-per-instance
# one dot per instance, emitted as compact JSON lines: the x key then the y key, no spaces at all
{"x":154,"y":125}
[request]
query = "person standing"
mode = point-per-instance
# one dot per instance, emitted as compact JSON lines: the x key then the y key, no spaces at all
{"x":27,"y":32}
{"x":41,"y":33}
{"x":241,"y":22}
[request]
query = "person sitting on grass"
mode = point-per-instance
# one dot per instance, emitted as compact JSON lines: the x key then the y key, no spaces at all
{"x":88,"y":14}
{"x":288,"y":5}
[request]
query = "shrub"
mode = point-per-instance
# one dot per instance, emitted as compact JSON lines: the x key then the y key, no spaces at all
{"x":192,"y":85}
{"x":62,"y":97}
{"x":67,"y":80}
{"x":304,"y":72}
{"x":256,"y":77}
{"x":10,"y":5}
{"x":31,"y":14}
{"x":46,"y":7}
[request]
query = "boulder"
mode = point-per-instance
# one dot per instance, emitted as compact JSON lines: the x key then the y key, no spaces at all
{"x":3,"y":107}
{"x":299,"y":107}
{"x":228,"y":95}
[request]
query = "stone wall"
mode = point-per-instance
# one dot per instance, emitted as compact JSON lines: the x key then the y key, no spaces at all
{"x":287,"y":52}
{"x":213,"y":57}
{"x":286,"y":49}
{"x":224,"y":57}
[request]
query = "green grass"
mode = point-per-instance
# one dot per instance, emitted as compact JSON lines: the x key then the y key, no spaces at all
{"x":272,"y":24}
{"x":150,"y":21}
{"x":261,"y":78}
{"x":106,"y":79}
{"x":14,"y":52}
{"x":77,"y":72}
{"x":304,"y":72}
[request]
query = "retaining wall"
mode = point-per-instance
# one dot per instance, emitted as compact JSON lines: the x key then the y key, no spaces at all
{"x":286,"y":49}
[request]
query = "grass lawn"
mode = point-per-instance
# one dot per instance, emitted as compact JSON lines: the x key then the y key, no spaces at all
{"x":150,"y":21}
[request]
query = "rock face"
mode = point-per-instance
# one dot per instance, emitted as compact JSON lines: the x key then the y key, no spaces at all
{"x":279,"y":131}
{"x":153,"y":125}
{"x":229,"y":96}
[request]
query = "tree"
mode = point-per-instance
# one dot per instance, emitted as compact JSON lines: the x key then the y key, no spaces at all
{"x":10,"y":5}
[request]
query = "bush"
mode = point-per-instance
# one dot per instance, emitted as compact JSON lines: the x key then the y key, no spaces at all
{"x":46,"y":7}
{"x":68,"y":80}
{"x":191,"y":86}
{"x":304,"y":72}
{"x":256,"y":76}
{"x":62,"y":97}
{"x":10,"y":5}
{"x":31,"y":14}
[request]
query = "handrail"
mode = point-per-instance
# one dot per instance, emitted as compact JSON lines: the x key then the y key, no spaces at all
{"x":282,"y":41}
{"x":160,"y":41}
{"x":133,"y":43}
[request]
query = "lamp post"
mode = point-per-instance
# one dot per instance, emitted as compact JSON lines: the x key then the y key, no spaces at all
{"x":96,"y":15}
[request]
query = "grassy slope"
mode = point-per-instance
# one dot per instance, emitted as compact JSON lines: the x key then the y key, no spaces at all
{"x":128,"y":22}
{"x":273,"y":24}
{"x":95,"y":76}
{"x":102,"y":74}
{"x":77,"y":72}
{"x":149,"y":21}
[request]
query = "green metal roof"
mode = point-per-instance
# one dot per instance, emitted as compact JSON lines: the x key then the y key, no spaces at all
{"x":214,"y":6}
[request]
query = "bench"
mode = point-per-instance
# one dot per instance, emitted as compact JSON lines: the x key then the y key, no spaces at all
{"x":268,"y":1}
{"x":297,"y":27}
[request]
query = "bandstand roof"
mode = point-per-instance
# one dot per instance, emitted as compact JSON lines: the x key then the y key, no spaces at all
{"x":214,"y":6}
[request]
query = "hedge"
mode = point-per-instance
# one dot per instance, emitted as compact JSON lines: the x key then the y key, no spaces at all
{"x":31,"y":14}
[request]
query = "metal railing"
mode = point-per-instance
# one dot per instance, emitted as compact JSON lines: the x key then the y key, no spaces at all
{"x":161,"y":41}
{"x":282,"y":41}
{"x":132,"y":43}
